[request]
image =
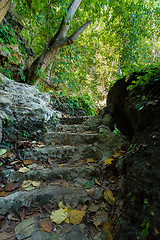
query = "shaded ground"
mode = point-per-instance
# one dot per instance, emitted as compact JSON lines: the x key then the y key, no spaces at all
{"x":64,"y":171}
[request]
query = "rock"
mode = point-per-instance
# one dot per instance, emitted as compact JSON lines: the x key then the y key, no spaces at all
{"x":116,"y":103}
{"x":110,"y":141}
{"x":29,"y":228}
{"x":23,"y":106}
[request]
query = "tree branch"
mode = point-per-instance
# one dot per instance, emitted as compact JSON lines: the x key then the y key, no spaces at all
{"x":76,"y":34}
{"x":65,"y":24}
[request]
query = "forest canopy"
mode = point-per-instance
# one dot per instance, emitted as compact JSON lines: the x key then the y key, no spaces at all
{"x":119,"y":37}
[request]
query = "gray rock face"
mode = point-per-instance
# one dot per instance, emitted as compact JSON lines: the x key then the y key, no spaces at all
{"x":20,"y":101}
{"x":23,"y":105}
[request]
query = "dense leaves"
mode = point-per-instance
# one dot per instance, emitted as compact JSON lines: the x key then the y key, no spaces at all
{"x":123,"y":37}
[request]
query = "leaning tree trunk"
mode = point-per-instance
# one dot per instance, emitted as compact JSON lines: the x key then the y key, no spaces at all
{"x":32,"y":73}
{"x":4,"y":6}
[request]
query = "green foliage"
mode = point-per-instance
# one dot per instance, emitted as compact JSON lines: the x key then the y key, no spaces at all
{"x":151,"y":74}
{"x":122,"y":38}
{"x":7,"y":35}
{"x":74,"y":104}
{"x":145,"y":232}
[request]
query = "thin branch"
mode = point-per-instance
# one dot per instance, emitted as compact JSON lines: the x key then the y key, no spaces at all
{"x":65,"y":24}
{"x":75,"y":35}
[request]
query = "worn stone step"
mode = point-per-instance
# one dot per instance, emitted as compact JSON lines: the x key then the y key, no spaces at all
{"x":67,"y":172}
{"x":69,"y":138}
{"x":72,"y":128}
{"x":61,"y":153}
{"x":49,"y":193}
{"x":41,"y":196}
{"x":73,"y":120}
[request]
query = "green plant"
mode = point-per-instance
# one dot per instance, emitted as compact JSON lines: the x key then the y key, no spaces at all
{"x":151,"y":74}
{"x":7,"y":120}
{"x":25,"y":133}
{"x":145,"y":232}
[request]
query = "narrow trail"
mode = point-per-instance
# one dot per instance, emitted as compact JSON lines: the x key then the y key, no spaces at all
{"x":62,"y":172}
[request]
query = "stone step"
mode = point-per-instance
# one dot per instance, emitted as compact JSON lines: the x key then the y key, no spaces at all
{"x":73,"y":120}
{"x":53,"y":194}
{"x":61,"y":153}
{"x":57,"y":183}
{"x":72,"y":128}
{"x":70,"y":138}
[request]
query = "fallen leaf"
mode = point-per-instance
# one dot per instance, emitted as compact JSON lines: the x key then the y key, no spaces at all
{"x":98,"y":221}
{"x":90,"y":192}
{"x":36,"y":183}
{"x":24,"y":170}
{"x":11,"y":186}
{"x":108,"y":196}
{"x":89,"y":184}
{"x":29,"y":188}
{"x":4,"y":194}
{"x":46,"y":225}
{"x":93,"y":207}
{"x":28,"y":162}
{"x":26,"y":183}
{"x":108,"y":161}
{"x":108,"y":228}
{"x":77,"y":216}
{"x":118,"y":154}
{"x":2,"y":151}
{"x":61,"y":205}
{"x":90,"y":160}
{"x":58,"y":216}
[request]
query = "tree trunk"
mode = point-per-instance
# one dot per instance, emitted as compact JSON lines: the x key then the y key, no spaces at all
{"x":33,"y":72}
{"x":4,"y":6}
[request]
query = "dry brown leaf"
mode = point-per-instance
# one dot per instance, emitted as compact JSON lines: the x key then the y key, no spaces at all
{"x":93,"y":207}
{"x":98,"y":221}
{"x":11,"y":186}
{"x":28,"y":162}
{"x":4,"y":194}
{"x":108,"y":196}
{"x":46,"y":225}
{"x":77,"y":216}
{"x":108,"y":228}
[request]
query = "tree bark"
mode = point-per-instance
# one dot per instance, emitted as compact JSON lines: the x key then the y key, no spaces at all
{"x":4,"y":6}
{"x":55,"y":44}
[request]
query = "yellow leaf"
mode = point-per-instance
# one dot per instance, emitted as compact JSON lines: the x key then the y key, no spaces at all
{"x":67,"y":220}
{"x":24,"y":170}
{"x":66,"y":209}
{"x":76,"y":216}
{"x":29,"y":188}
{"x":36,"y":183}
{"x":58,"y":216}
{"x":108,"y":196}
{"x":90,"y":160}
{"x":61,"y":205}
{"x":108,"y":161}
{"x":26,"y":183}
{"x":108,"y":228}
{"x":118,"y":154}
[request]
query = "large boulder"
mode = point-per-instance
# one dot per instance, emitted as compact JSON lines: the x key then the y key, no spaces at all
{"x":23,"y":106}
{"x":137,"y":115}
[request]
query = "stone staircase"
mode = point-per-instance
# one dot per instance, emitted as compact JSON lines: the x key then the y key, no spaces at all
{"x":61,"y":166}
